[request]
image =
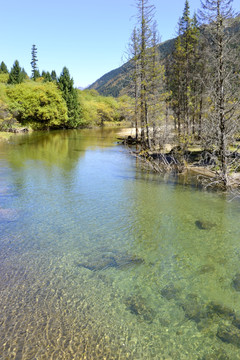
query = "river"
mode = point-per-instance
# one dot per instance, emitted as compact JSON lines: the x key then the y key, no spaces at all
{"x":101,"y":260}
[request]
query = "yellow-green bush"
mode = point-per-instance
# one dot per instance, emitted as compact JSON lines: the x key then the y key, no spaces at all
{"x":97,"y":109}
{"x":39,"y":105}
{"x":4,"y":78}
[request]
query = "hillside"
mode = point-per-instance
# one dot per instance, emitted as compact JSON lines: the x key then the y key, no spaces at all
{"x":115,"y":82}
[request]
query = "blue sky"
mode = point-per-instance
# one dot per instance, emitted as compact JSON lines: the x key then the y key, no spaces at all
{"x":90,"y":37}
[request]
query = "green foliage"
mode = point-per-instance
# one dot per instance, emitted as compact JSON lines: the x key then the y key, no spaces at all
{"x":39,"y":105}
{"x":17,"y":74}
{"x":97,"y":109}
{"x":69,"y":93}
{"x":3,"y":68}
{"x":4,"y":78}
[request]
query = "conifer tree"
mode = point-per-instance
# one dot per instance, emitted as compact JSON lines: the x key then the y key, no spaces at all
{"x":53,"y":75}
{"x":65,"y":83}
{"x":147,"y":73}
{"x":145,"y":16}
{"x":35,"y":72}
{"x":3,"y":68}
{"x":183,"y":73}
{"x":155,"y":77}
{"x":222,"y":75}
{"x":47,"y":77}
{"x":17,"y":74}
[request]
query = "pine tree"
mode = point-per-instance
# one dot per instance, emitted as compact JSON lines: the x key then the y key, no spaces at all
{"x":155,"y":77}
{"x":35,"y":72}
{"x":183,"y":73}
{"x":17,"y":74}
{"x":65,"y":83}
{"x":145,"y":15}
{"x":53,"y":75}
{"x":47,"y":77}
{"x":221,"y":79}
{"x":3,"y":68}
{"x":133,"y":53}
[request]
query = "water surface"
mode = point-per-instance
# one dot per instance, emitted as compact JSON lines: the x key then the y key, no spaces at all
{"x":99,"y":260}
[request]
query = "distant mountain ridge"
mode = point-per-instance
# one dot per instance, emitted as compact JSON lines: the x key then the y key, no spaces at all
{"x":115,"y":81}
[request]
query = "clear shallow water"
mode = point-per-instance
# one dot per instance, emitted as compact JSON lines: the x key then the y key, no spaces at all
{"x":99,"y":260}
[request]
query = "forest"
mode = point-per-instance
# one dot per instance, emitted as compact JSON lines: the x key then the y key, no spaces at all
{"x":47,"y":101}
{"x":191,"y":99}
{"x":188,"y":98}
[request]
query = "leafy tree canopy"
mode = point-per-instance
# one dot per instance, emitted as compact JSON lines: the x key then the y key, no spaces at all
{"x":39,"y":105}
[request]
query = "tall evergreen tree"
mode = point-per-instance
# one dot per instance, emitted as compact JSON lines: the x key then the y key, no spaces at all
{"x":183,"y":73}
{"x":70,"y":95}
{"x":147,"y":73}
{"x":222,"y":77}
{"x":133,"y":52}
{"x":3,"y":68}
{"x":47,"y":77}
{"x":53,"y":75}
{"x":17,"y":74}
{"x":145,"y":17}
{"x":35,"y":72}
{"x":155,"y":77}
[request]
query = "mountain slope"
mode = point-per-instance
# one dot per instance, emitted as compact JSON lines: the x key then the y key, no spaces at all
{"x":114,"y":83}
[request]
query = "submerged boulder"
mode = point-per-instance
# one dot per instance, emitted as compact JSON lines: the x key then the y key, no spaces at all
{"x":204,"y":224}
{"x":138,"y":306}
{"x":170,"y":292}
{"x":110,"y":259}
{"x":229,"y":334}
{"x":216,"y":355}
{"x":236,"y":282}
{"x":205,"y":269}
{"x":193,"y":308}
{"x":220,"y":310}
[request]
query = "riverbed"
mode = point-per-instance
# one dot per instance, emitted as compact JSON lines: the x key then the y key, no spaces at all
{"x":101,"y":260}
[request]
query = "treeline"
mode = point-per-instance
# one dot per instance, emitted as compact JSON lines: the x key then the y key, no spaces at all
{"x":46,"y":101}
{"x":196,"y":90}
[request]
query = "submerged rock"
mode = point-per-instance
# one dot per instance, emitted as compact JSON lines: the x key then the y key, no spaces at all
{"x":220,"y":310}
{"x":236,"y":282}
{"x":98,"y":264}
{"x":110,"y":259}
{"x":229,"y":334}
{"x":193,"y":308}
{"x":137,"y":305}
{"x":204,"y":225}
{"x":205,"y":269}
{"x":170,"y":292}
{"x":216,"y":355}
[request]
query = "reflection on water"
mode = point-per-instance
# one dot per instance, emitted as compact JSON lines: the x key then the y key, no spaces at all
{"x":101,"y":261}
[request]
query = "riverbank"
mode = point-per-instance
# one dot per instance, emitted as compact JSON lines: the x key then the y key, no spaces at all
{"x":194,"y":160}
